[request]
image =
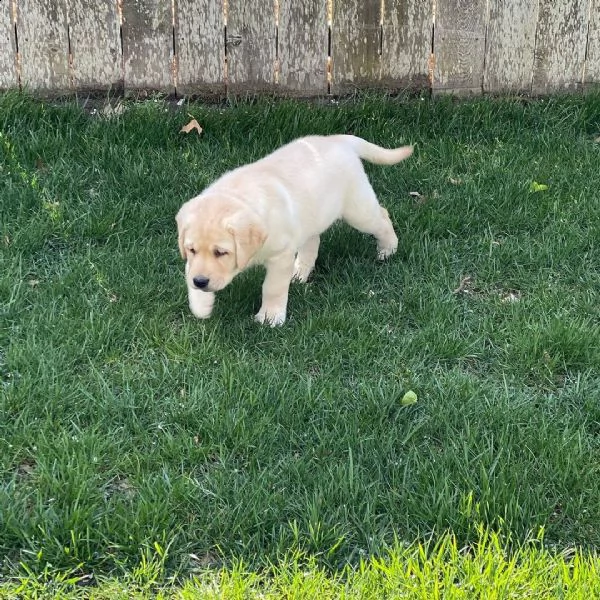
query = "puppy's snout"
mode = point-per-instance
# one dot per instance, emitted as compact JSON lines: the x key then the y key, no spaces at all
{"x":200,"y":282}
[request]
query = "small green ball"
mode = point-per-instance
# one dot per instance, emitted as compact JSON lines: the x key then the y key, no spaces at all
{"x":409,"y":398}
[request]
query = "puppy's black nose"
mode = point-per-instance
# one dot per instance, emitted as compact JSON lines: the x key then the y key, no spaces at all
{"x":200,"y":281}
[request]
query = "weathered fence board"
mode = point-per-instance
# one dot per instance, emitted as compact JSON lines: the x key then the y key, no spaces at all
{"x":406,"y":43}
{"x":44,"y":45}
{"x":510,"y":46}
{"x":592,"y":66}
{"x":200,"y":47}
{"x":8,"y":55}
{"x":355,"y":44}
{"x":94,"y":36}
{"x":302,"y":47}
{"x":459,"y":45}
{"x":560,"y":65}
{"x":251,"y":45}
{"x":148,"y":45}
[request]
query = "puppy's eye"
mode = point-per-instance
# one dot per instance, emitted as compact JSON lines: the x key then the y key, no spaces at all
{"x":191,"y":251}
{"x":218,"y":253}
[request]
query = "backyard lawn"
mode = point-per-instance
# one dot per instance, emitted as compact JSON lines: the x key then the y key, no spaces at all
{"x":140,"y":446}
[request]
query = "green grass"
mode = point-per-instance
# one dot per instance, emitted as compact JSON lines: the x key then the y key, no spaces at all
{"x":126,"y":425}
{"x":421,"y":571}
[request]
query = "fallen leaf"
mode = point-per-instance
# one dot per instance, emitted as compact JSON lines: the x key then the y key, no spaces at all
{"x":419,"y":198}
{"x":597,"y":140}
{"x":464,"y":287}
{"x":454,"y":181}
{"x":537,"y":187}
{"x":193,"y":124}
{"x":109,"y":111}
{"x":510,"y":296}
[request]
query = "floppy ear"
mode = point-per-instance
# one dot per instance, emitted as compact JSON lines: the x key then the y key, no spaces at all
{"x":182,"y":221}
{"x":248,"y":234}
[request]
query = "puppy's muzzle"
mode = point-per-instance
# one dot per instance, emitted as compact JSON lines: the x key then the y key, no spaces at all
{"x":200,"y":282}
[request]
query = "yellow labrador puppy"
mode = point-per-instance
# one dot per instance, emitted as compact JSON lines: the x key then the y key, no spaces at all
{"x":272,"y":212}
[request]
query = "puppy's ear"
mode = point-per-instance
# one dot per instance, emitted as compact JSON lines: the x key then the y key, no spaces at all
{"x":249,"y":235}
{"x":182,"y":219}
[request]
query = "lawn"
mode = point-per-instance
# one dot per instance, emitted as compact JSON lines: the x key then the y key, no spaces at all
{"x":133,"y":434}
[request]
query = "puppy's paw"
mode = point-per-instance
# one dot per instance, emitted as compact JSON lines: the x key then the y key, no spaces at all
{"x":386,"y":251}
{"x":301,"y":272}
{"x":270,"y":317}
{"x":201,"y":303}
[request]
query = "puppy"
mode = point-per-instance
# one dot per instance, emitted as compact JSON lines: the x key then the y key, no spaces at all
{"x":272,"y":213}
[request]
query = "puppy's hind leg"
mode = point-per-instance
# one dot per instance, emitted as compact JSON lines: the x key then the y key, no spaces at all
{"x":306,"y":258}
{"x":364,"y":213}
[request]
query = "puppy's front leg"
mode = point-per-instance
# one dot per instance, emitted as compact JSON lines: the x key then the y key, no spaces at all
{"x":201,"y":303}
{"x":275,"y":289}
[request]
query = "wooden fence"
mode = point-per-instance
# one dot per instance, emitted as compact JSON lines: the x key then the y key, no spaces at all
{"x":299,"y":47}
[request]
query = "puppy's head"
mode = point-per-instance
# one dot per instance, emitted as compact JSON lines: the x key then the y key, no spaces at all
{"x":218,"y":237}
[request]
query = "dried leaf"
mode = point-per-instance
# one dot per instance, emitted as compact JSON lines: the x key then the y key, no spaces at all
{"x":597,"y":140}
{"x":419,"y":198}
{"x":110,"y":112}
{"x":454,"y":181}
{"x":510,"y":296}
{"x":193,"y":124}
{"x":464,"y":287}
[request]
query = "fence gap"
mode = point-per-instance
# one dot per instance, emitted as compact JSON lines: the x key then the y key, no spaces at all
{"x":17,"y":53}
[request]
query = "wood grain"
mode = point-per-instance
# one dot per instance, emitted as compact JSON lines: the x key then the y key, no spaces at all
{"x":560,"y":45}
{"x":355,"y":45}
{"x":592,"y":63}
{"x":94,"y":34}
{"x":510,"y":46}
{"x":8,"y":52}
{"x":303,"y":39}
{"x":200,"y":47}
{"x":251,"y":46}
{"x":406,"y":47}
{"x":459,"y":46}
{"x":44,"y":45}
{"x":148,"y":45}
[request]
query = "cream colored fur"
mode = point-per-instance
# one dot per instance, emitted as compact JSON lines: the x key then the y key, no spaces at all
{"x":272,"y":213}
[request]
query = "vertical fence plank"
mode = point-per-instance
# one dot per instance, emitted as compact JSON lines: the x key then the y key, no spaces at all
{"x":251,"y":46}
{"x":44,"y":45}
{"x":94,"y":34}
{"x":302,"y":48}
{"x":560,"y":45}
{"x":459,"y":46}
{"x":355,"y":44}
{"x":406,"y":43}
{"x":510,"y":46}
{"x":148,"y":45}
{"x":8,"y":52}
{"x":200,"y":46}
{"x":592,"y":64}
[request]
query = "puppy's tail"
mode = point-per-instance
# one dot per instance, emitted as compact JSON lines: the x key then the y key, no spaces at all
{"x":376,"y":154}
